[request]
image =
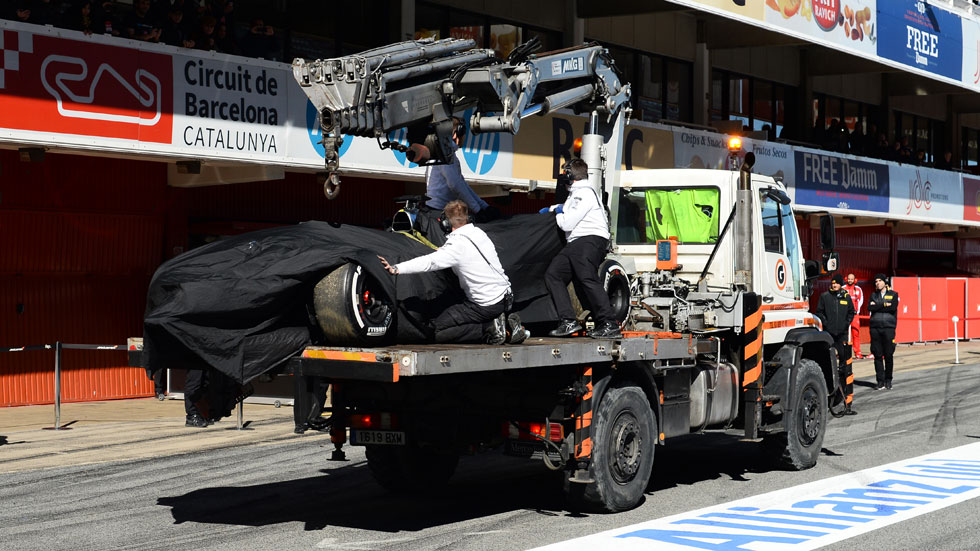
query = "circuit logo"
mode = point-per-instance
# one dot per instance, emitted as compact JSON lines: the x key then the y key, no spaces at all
{"x":85,"y":87}
{"x":315,"y":133}
{"x":480,"y":150}
{"x":75,"y":69}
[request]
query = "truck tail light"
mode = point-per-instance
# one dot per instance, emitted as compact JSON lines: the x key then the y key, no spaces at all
{"x":534,"y":431}
{"x":377,"y":421}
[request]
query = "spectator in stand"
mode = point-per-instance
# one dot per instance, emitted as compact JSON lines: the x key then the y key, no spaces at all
{"x":855,"y":141}
{"x":869,"y":147}
{"x":260,"y":41}
{"x":224,"y":41}
{"x":21,"y":11}
{"x":83,"y":17}
{"x":204,"y":38}
{"x":141,"y":25}
{"x":108,"y":21}
{"x":946,"y":163}
{"x":920,"y":157}
{"x":174,"y":32}
{"x":904,"y":151}
{"x":882,"y":147}
{"x":895,"y":152}
{"x":223,"y":12}
{"x":46,"y":12}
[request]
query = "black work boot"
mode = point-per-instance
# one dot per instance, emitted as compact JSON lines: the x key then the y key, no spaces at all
{"x":196,"y":421}
{"x":606,"y":330}
{"x":566,"y":328}
{"x":849,"y":411}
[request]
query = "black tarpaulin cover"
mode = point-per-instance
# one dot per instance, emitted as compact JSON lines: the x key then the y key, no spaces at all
{"x":240,"y":305}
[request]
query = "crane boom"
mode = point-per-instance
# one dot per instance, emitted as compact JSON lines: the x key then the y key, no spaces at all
{"x":419,"y":85}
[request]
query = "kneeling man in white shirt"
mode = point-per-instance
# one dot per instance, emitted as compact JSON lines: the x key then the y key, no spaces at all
{"x":482,"y":316}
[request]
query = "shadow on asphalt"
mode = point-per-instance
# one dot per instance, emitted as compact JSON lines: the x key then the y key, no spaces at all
{"x":348,"y":496}
{"x":486,"y":485}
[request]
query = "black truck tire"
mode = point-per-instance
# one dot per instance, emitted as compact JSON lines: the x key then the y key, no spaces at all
{"x":614,"y":281}
{"x":799,"y":447}
{"x":351,"y":307}
{"x":403,"y":469}
{"x":622,"y":454}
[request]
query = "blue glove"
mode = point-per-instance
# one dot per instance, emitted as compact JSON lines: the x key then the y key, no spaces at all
{"x":544,"y":210}
{"x":558,"y":210}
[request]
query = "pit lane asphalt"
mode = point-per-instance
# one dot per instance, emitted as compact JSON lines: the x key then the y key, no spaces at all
{"x":169,"y":486}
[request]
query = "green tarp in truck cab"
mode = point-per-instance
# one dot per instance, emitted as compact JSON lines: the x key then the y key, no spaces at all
{"x":691,"y":214}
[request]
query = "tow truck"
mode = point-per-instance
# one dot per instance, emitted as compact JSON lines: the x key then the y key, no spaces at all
{"x":706,"y":273}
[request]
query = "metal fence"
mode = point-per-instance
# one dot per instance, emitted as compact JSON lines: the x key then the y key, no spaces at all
{"x":57,"y":347}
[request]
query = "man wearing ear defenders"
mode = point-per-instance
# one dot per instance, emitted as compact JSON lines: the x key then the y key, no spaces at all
{"x":445,"y":183}
{"x":471,"y":254}
{"x":586,"y":227}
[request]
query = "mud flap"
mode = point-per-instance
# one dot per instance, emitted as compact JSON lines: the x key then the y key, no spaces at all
{"x":752,"y":363}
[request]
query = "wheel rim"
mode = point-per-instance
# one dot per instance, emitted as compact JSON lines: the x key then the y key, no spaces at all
{"x":626,"y":447}
{"x":371,"y":303}
{"x":809,"y":416}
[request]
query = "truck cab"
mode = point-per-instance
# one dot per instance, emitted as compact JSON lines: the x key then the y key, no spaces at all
{"x":691,"y":207}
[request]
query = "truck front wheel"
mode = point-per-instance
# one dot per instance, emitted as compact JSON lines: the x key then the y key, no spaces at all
{"x":799,"y":447}
{"x":403,"y":469}
{"x":622,"y":454}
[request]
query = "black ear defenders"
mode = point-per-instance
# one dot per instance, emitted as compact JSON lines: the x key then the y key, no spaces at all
{"x":447,"y":226}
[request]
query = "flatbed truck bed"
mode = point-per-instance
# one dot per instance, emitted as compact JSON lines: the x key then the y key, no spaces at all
{"x":393,"y":363}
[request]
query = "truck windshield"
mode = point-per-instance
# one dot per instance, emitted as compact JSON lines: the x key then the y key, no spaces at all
{"x":689,"y":214}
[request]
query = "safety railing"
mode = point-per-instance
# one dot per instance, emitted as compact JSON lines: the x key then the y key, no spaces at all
{"x":57,"y":347}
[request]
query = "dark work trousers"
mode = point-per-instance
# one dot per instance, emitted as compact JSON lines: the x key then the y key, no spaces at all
{"x":193,"y":391}
{"x":883,"y":348}
{"x":466,"y":321}
{"x":844,"y":370}
{"x":160,"y":381}
{"x":579,"y":261}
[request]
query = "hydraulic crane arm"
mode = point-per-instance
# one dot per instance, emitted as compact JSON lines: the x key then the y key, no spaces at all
{"x":419,"y":85}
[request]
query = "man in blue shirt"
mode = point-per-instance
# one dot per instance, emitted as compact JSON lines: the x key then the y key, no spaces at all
{"x":445,"y":183}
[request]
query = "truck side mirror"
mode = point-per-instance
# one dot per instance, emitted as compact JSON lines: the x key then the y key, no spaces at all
{"x":812,"y":269}
{"x":828,"y":236}
{"x":777,"y":195}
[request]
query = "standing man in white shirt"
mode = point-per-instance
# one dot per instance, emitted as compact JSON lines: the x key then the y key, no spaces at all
{"x":586,"y":227}
{"x":472,"y":256}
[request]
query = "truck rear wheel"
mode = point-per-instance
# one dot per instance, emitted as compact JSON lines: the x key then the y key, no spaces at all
{"x":622,"y":454}
{"x":799,"y":447}
{"x":403,"y":469}
{"x":351,"y":307}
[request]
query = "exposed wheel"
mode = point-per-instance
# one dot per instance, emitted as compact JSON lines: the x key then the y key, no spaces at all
{"x":614,"y":281}
{"x":351,"y":307}
{"x":622,"y":453}
{"x":402,"y":469}
{"x":799,"y":447}
{"x":617,"y":286}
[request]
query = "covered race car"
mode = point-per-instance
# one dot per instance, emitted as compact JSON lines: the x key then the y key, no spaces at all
{"x":247,"y":304}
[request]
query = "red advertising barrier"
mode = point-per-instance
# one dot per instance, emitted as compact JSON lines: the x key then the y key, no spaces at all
{"x":933,"y":311}
{"x":908,"y":329}
{"x":972,"y":329}
{"x":955,"y":305}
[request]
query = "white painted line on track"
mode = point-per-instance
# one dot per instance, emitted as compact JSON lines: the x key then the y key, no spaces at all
{"x":808,"y":516}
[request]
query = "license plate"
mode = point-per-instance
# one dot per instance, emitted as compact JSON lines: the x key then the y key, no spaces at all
{"x":377,"y":437}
